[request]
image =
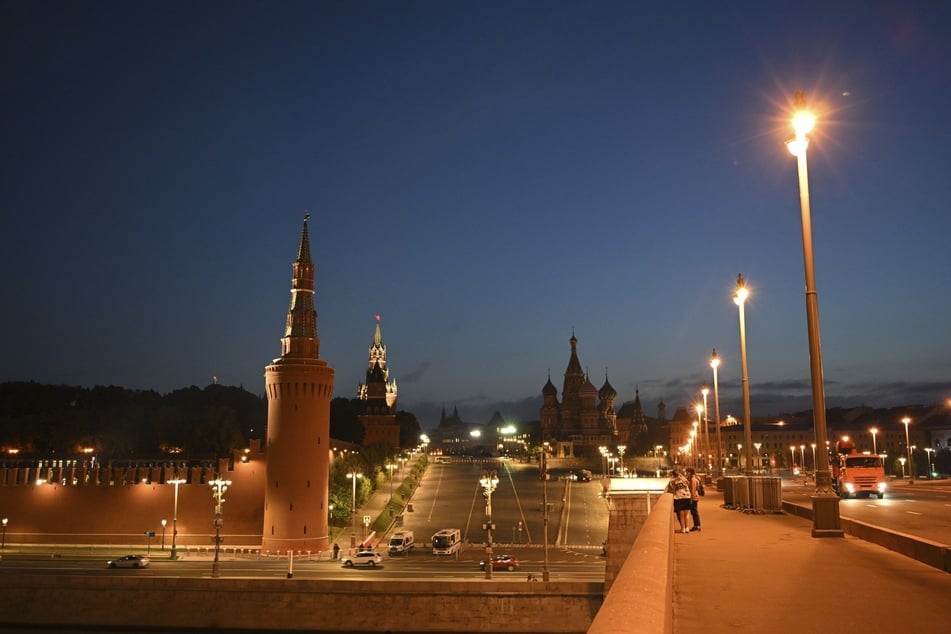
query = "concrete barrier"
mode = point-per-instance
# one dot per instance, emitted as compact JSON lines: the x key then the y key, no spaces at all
{"x":926,"y":551}
{"x":641,"y":597}
{"x":176,"y":604}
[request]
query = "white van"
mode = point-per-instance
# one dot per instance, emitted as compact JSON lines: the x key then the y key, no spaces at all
{"x":401,"y":542}
{"x":447,"y":541}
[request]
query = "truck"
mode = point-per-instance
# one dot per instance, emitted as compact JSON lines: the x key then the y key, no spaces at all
{"x":401,"y":542}
{"x":855,"y":474}
{"x":447,"y":541}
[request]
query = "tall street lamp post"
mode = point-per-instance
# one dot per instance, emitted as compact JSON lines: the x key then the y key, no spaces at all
{"x":354,"y":476}
{"x":704,"y":390}
{"x":739,"y":298}
{"x":164,"y":523}
{"x":174,"y":554}
{"x":813,"y":445}
{"x":218,"y":488}
{"x":546,"y":576}
{"x":874,"y":444}
{"x":715,"y":363}
{"x":825,"y":503}
{"x":911,"y":463}
{"x":3,"y":544}
{"x":792,"y":464}
{"x":928,"y":451}
{"x":620,"y":450}
{"x":489,"y":481}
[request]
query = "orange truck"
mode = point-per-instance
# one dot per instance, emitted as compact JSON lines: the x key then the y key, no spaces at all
{"x":857,"y":474}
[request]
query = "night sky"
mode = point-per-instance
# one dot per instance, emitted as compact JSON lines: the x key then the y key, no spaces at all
{"x":489,"y":177}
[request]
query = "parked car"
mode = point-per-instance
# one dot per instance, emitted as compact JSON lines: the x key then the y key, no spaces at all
{"x":129,"y":561}
{"x":502,"y":562}
{"x":365,"y":558}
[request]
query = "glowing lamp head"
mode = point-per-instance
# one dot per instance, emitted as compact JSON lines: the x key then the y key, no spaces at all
{"x":739,"y":298}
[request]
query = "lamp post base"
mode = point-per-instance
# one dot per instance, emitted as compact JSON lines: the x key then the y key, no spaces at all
{"x":825,"y":516}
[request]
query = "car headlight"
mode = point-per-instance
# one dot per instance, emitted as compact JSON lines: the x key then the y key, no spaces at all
{"x":881,"y":486}
{"x":850,"y":487}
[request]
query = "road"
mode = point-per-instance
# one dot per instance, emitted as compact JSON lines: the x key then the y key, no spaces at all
{"x":922,"y":509}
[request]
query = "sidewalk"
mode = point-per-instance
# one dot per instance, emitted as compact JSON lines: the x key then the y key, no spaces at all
{"x":755,"y":573}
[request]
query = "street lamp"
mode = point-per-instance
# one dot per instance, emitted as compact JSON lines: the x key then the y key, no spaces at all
{"x":813,"y":445}
{"x":390,"y":467}
{"x":3,"y":544}
{"x":792,"y":464}
{"x":874,"y":445}
{"x":174,"y":554}
{"x":704,"y":390}
{"x":354,"y":476}
{"x":928,"y":451}
{"x":911,"y":463}
{"x":546,"y":576}
{"x":757,"y":445}
{"x":739,"y":298}
{"x":218,"y":488}
{"x":489,"y":481}
{"x":825,"y":503}
{"x":330,"y":514}
{"x":621,"y":449}
{"x":164,"y":523}
{"x":715,"y":363}
{"x":902,"y":461}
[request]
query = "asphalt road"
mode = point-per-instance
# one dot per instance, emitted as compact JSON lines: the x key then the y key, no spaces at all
{"x":922,"y":509}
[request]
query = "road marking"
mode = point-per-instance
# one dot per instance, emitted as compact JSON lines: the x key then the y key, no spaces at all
{"x":914,"y":513}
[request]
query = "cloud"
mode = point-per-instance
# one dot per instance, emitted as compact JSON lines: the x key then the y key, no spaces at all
{"x":416,"y":374}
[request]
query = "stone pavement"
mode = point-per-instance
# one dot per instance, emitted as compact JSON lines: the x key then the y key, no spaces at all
{"x":766,"y":573}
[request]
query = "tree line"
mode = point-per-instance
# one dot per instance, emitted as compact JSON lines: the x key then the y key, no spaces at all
{"x":120,"y":423}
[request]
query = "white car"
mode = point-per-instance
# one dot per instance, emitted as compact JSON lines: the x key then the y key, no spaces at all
{"x":129,"y":561}
{"x":365,"y":558}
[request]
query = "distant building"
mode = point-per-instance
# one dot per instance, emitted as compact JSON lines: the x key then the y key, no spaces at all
{"x":584,"y":419}
{"x":377,"y":397}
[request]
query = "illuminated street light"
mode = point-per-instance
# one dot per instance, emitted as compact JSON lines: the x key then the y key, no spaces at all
{"x":928,"y":451}
{"x":902,"y":461}
{"x":174,"y":554}
{"x":739,"y":298}
{"x":164,"y":523}
{"x":489,"y":481}
{"x":715,"y":363}
{"x":813,"y":445}
{"x":792,"y":465}
{"x":3,"y":544}
{"x":874,"y":445}
{"x":354,"y":476}
{"x":218,"y":488}
{"x":825,"y":503}
{"x":704,"y":390}
{"x":621,"y":449}
{"x":911,"y":463}
{"x":757,"y":445}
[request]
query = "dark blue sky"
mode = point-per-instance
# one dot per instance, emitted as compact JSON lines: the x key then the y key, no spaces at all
{"x":489,"y":177}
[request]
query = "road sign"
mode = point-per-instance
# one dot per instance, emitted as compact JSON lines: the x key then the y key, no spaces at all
{"x":366,"y":520}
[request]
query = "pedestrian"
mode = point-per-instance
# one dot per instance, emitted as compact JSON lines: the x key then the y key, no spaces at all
{"x":336,"y":550}
{"x":694,"y":481}
{"x":680,"y":488}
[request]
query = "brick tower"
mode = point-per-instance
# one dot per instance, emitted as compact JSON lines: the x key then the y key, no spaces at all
{"x":299,"y":388}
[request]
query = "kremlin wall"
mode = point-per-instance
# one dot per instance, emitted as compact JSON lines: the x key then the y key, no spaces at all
{"x":108,"y":506}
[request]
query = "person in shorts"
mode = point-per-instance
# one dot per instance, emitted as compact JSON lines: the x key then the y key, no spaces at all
{"x":680,"y":488}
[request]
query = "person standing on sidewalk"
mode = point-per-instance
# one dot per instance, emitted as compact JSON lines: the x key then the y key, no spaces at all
{"x":694,"y":481}
{"x":680,"y":488}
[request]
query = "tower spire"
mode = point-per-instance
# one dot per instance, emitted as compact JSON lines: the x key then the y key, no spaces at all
{"x":300,"y":339}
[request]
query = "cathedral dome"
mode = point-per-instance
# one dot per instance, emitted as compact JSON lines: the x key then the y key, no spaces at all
{"x":549,"y":389}
{"x":607,"y":391}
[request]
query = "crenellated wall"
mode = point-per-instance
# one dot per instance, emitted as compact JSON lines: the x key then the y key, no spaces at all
{"x":118,"y":505}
